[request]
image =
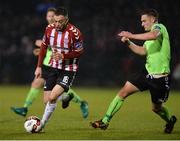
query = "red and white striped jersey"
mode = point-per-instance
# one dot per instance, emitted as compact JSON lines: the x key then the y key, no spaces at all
{"x":63,"y":42}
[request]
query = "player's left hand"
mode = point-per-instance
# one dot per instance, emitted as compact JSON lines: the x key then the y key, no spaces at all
{"x":124,"y":39}
{"x":125,"y":34}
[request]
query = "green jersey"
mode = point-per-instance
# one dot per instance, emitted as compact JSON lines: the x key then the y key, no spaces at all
{"x":158,"y":52}
{"x":47,"y":57}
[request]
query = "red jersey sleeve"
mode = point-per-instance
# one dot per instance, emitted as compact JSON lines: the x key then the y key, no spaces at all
{"x":77,"y":49}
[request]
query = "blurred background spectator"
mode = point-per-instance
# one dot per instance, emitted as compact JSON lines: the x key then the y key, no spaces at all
{"x":106,"y":61}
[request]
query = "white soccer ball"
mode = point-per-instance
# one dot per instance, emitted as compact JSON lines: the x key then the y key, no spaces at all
{"x":33,"y":124}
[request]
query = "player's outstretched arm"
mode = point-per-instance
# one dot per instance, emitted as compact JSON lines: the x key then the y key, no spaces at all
{"x":152,"y":35}
{"x":140,"y":50}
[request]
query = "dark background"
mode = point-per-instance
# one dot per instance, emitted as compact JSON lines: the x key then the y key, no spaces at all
{"x":106,"y":61}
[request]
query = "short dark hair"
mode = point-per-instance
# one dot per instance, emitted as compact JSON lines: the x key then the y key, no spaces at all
{"x":150,"y":12}
{"x":61,"y":11}
{"x":51,"y":9}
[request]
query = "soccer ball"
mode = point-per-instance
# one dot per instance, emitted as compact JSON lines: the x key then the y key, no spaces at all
{"x":32,"y":124}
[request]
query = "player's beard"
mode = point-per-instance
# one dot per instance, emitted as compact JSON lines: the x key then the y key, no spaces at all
{"x":63,"y":26}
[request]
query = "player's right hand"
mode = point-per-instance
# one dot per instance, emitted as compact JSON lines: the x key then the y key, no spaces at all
{"x":57,"y":56}
{"x":38,"y":72}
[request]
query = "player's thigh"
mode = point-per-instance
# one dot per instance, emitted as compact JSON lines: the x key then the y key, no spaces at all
{"x":56,"y":92}
{"x":46,"y":71}
{"x":159,"y":90}
{"x":159,"y":96}
{"x":46,"y":96}
{"x":65,"y":79}
{"x":128,"y":89}
{"x":50,"y":81}
{"x":37,"y":83}
{"x":137,"y":82}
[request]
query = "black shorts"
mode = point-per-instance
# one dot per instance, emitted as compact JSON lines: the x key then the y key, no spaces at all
{"x":158,"y":87}
{"x":55,"y":76}
{"x":45,"y":71}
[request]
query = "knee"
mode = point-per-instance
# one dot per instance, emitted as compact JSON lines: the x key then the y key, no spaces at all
{"x":45,"y":101}
{"x":123,"y":93}
{"x":35,"y":83}
{"x":156,"y":110}
{"x":52,"y":99}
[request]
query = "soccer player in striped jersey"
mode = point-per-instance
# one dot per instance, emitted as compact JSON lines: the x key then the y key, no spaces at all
{"x":37,"y":83}
{"x":66,"y":43}
{"x":155,"y":76}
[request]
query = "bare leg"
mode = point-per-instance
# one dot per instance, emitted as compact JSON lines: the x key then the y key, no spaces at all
{"x":51,"y":105}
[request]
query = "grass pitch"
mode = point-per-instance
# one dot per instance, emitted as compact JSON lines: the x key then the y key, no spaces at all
{"x":134,"y":121}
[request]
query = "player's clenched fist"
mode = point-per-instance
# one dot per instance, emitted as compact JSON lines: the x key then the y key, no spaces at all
{"x":57,"y":56}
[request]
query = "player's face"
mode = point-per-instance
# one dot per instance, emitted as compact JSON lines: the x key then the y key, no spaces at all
{"x":147,"y":22}
{"x":50,"y":17}
{"x":60,"y":21}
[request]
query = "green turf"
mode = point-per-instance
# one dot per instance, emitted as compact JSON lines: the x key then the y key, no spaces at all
{"x":134,"y":121}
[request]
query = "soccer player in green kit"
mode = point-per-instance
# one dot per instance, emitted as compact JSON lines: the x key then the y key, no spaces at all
{"x":38,"y":83}
{"x":155,"y":75}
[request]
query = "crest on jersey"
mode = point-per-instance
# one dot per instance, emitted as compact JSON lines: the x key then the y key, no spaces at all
{"x":78,"y":45}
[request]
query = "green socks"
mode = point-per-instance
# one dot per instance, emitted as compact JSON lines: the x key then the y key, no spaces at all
{"x":32,"y":94}
{"x":116,"y":105}
{"x":113,"y":108}
{"x":76,"y":98}
{"x":164,"y":114}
